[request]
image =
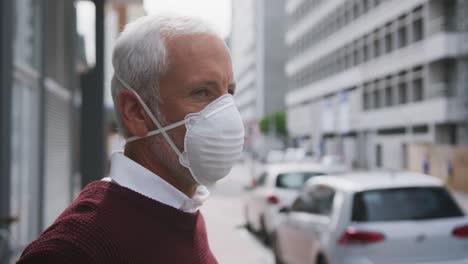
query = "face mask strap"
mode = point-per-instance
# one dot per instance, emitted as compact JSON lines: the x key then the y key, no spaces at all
{"x":153,"y":118}
{"x":155,"y":132}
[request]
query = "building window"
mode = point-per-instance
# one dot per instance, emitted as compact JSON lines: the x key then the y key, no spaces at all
{"x":418,"y":30}
{"x":365,"y":99}
{"x":450,"y":75}
{"x":348,"y":15}
{"x":341,"y":63}
{"x":423,"y":129}
{"x":340,"y":17}
{"x":402,"y":37}
{"x":376,"y":47}
{"x":377,"y":99}
{"x":418,"y":90}
{"x":402,"y":93}
{"x":365,"y":5}
{"x":388,"y":96}
{"x":404,"y":156}
{"x":356,"y":56}
{"x":450,"y":17}
{"x":348,"y":61}
{"x":357,"y":11}
{"x":365,"y":52}
{"x":378,"y":155}
{"x":391,"y":131}
{"x":388,"y":43}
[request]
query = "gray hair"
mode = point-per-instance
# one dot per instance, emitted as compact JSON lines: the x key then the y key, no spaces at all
{"x":140,"y":56}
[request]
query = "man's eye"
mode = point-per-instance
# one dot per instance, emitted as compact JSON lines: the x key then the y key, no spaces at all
{"x":201,"y":92}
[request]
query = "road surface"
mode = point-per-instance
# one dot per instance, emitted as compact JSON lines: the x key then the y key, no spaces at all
{"x":223,"y":213}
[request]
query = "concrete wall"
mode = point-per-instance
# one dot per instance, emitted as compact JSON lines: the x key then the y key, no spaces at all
{"x":259,"y":54}
{"x":243,"y":52}
{"x":274,"y":57}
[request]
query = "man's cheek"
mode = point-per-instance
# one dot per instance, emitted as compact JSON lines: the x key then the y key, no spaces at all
{"x":180,"y":141}
{"x":178,"y":136}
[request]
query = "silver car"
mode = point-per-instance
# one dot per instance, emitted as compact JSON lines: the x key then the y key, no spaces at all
{"x":369,"y":218}
{"x":277,"y":186}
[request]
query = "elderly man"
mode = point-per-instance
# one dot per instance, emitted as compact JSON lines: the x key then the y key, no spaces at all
{"x":172,"y":90}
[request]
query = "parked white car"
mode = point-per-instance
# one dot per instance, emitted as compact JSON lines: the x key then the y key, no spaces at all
{"x":277,"y":186}
{"x":370,"y":218}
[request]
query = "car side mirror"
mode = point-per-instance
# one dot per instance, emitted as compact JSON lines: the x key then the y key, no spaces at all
{"x":285,"y":210}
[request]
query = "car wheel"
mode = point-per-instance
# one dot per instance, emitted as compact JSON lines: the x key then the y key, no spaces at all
{"x":321,"y":260}
{"x":276,"y":251}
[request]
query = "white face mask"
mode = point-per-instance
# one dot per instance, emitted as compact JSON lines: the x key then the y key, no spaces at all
{"x":213,"y":142}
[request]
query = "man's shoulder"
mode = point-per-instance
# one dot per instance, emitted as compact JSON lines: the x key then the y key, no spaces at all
{"x":73,"y":238}
{"x":76,"y":232}
{"x":54,"y":249}
{"x":87,"y":217}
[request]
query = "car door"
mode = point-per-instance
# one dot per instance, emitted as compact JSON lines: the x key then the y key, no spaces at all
{"x":288,"y":234}
{"x":314,"y":226}
{"x":286,"y":186}
{"x":307,"y":223}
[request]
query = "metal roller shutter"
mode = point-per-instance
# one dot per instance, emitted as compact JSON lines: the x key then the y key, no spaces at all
{"x":58,"y":152}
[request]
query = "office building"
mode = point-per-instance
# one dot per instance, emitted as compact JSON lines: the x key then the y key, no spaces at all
{"x":368,"y":78}
{"x":258,"y":55}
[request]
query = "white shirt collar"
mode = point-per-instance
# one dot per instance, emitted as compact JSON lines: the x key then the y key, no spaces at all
{"x":135,"y":177}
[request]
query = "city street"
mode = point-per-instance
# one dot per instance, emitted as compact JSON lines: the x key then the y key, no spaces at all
{"x":223,"y":212}
{"x":349,"y":120}
{"x":230,"y":241}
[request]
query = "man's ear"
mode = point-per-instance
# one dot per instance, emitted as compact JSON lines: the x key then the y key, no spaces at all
{"x":132,"y":114}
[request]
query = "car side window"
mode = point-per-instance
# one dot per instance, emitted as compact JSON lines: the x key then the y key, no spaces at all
{"x":303,"y":204}
{"x":319,"y":200}
{"x":325,"y":203}
{"x":299,"y":205}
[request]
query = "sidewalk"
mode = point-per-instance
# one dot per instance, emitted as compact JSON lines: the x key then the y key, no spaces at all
{"x":223,"y":213}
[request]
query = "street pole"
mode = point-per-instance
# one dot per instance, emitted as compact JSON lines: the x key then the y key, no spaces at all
{"x":6,"y":72}
{"x":92,"y":113}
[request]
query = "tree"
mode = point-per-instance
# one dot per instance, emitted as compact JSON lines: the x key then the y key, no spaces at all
{"x":274,"y":123}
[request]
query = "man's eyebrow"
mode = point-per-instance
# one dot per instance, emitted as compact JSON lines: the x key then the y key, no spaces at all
{"x":208,"y":83}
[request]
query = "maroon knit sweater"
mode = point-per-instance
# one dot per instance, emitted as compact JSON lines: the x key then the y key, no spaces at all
{"x":109,"y":223}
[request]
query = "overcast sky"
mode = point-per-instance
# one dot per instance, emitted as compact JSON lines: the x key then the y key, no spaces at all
{"x":217,"y":12}
{"x":86,"y":27}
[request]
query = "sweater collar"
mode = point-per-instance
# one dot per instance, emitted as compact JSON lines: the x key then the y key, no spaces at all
{"x":137,"y":178}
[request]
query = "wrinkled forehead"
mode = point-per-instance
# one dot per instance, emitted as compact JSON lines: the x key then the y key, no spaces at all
{"x":201,"y":44}
{"x":202,"y":51}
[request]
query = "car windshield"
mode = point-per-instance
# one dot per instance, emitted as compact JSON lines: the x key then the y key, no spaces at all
{"x":294,"y":180}
{"x":404,"y":204}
